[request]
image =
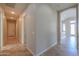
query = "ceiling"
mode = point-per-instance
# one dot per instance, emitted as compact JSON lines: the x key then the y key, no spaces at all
{"x":60,"y":6}
{"x":21,"y":6}
{"x":17,"y":8}
{"x":12,"y":5}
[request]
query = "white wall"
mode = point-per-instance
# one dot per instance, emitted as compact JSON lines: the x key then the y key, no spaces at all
{"x":1,"y":27}
{"x":30,"y":28}
{"x":46,"y":28}
{"x":40,"y":27}
{"x":78,"y":26}
{"x":68,"y":14}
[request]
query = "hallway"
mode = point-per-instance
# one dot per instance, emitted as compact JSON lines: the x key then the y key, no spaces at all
{"x":31,"y":29}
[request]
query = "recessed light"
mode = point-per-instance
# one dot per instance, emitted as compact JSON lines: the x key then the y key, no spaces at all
{"x":12,"y":12}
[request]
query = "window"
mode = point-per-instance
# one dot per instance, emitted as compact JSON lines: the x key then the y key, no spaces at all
{"x":64,"y":29}
{"x":72,"y":29}
{"x":72,"y":21}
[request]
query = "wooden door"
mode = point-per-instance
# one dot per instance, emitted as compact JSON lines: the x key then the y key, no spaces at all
{"x":11,"y":32}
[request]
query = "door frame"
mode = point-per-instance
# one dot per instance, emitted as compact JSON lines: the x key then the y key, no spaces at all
{"x":5,"y":29}
{"x":10,"y":36}
{"x":58,"y":24}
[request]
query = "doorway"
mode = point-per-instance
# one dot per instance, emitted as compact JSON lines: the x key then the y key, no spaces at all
{"x":68,"y":28}
{"x":10,"y":32}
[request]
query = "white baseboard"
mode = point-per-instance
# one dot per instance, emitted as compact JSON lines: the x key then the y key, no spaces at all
{"x":46,"y":49}
{"x":30,"y":50}
{"x":42,"y":51}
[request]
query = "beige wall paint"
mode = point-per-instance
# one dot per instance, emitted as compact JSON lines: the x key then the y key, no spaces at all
{"x":21,"y":29}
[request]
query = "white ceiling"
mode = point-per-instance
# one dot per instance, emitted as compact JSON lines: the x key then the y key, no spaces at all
{"x":60,"y":6}
{"x":57,"y":6}
{"x":18,"y":7}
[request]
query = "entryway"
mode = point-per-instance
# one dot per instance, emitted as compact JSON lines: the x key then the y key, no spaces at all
{"x":10,"y":27}
{"x":68,"y":29}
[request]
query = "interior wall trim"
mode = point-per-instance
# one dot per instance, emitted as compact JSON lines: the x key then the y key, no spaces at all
{"x":52,"y":45}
